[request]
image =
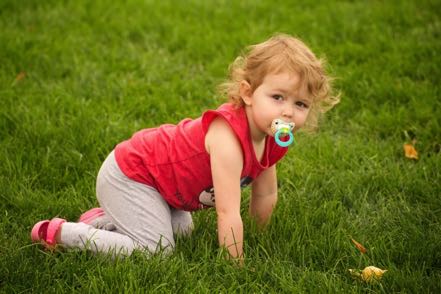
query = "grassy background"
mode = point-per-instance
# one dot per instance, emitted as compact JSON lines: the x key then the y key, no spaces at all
{"x":77,"y":77}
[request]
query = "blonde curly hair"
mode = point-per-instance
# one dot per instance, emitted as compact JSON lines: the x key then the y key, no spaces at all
{"x":282,"y":53}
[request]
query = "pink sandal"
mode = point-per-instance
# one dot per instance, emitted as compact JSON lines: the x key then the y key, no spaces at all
{"x":90,"y":215}
{"x":45,"y":231}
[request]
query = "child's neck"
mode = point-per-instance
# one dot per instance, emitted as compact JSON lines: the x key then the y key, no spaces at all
{"x":257,"y":136}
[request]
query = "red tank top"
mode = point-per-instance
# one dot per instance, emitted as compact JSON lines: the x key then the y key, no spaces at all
{"x":173,"y":159}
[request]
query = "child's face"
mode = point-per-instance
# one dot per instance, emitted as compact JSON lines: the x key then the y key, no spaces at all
{"x":279,"y":96}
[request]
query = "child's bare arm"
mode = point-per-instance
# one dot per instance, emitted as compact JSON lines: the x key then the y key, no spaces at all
{"x":226,"y":165}
{"x":264,"y":196}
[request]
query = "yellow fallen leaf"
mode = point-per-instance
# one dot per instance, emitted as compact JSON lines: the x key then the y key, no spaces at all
{"x":369,"y":274}
{"x":410,"y":151}
{"x":360,"y":247}
{"x":20,"y":76}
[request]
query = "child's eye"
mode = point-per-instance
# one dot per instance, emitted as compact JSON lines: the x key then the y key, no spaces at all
{"x":302,"y":104}
{"x":277,"y":97}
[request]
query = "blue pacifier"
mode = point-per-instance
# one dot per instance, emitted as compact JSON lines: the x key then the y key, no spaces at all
{"x":282,"y":129}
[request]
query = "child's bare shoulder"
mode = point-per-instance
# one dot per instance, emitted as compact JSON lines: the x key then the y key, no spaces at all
{"x":221,"y":139}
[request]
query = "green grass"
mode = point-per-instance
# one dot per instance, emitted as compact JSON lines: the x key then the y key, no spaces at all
{"x":97,"y":72}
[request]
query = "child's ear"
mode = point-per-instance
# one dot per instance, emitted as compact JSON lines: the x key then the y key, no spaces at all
{"x":245,"y":92}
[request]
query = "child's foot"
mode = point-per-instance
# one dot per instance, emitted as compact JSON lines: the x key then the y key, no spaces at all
{"x":46,"y":232}
{"x":97,"y":218}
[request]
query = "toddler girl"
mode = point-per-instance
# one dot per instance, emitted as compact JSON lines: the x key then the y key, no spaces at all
{"x":149,"y":184}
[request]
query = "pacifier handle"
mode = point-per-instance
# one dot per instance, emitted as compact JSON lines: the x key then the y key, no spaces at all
{"x":282,"y":143}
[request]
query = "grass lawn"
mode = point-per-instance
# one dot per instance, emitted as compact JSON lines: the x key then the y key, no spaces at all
{"x":78,"y":77}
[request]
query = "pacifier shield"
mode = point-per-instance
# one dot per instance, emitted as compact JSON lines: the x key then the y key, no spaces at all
{"x":282,"y":129}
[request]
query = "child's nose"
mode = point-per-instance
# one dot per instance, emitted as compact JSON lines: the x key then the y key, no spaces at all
{"x":288,"y":112}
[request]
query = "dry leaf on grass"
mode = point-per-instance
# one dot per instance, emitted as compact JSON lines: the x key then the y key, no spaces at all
{"x":368,"y":274}
{"x":360,"y":247}
{"x":20,"y":76}
{"x":410,"y":151}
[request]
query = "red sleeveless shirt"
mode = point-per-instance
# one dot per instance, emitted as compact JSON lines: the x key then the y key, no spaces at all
{"x":173,"y":159}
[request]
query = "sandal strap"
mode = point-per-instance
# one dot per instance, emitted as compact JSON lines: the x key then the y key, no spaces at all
{"x":38,"y":229}
{"x":52,"y":229}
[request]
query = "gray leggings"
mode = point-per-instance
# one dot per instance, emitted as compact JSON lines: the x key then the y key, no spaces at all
{"x":142,"y":218}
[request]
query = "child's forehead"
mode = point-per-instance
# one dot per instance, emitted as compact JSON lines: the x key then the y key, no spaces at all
{"x":285,"y":81}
